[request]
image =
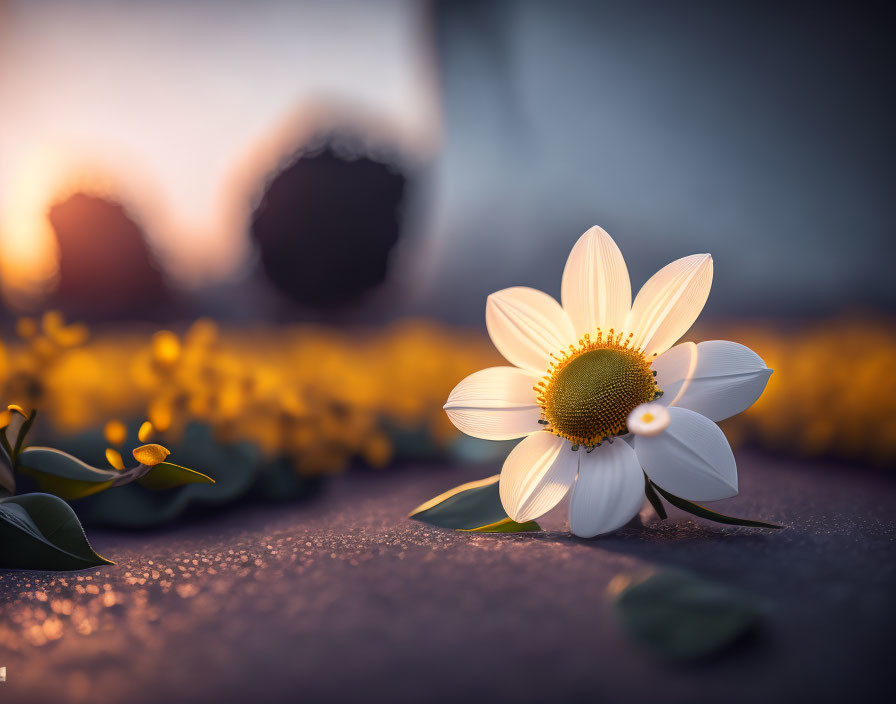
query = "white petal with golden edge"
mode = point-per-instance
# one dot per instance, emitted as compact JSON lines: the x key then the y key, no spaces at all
{"x":674,"y":369}
{"x":608,"y":492}
{"x":536,"y":475}
{"x":495,"y":404}
{"x":596,"y":291}
{"x":669,"y":303}
{"x":527,"y":325}
{"x":728,"y":378}
{"x":691,"y":458}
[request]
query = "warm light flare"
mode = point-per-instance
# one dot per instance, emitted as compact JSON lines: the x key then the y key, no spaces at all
{"x":27,"y":247}
{"x":185,"y":131}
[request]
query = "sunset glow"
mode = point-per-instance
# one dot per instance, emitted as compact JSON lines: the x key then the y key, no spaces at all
{"x":180,"y":120}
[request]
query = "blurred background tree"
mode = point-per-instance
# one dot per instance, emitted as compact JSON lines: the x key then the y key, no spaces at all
{"x":106,"y":270}
{"x":327,"y":224}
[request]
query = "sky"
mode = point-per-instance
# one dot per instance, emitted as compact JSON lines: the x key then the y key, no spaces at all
{"x":761,"y":133}
{"x":180,"y":109}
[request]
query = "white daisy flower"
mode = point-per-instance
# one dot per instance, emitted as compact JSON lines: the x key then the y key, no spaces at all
{"x":597,"y":392}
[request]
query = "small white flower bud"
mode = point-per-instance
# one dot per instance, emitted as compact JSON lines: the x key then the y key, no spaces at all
{"x":648,"y":419}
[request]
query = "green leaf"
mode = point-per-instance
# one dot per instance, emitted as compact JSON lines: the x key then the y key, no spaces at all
{"x":277,"y":480}
{"x":166,"y":475}
{"x":654,"y":499}
{"x":5,"y":449}
{"x":698,"y":510}
{"x":7,"y":479}
{"x":233,"y":466}
{"x":679,"y":616}
{"x":23,"y":432}
{"x":41,"y":532}
{"x":57,"y":472}
{"x":7,"y":464}
{"x":508,"y":525}
{"x":475,"y":506}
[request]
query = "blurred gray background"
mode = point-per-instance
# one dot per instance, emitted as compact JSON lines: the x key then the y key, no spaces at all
{"x":759,"y":132}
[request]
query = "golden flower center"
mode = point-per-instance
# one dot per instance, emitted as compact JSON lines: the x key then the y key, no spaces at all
{"x":588,"y":393}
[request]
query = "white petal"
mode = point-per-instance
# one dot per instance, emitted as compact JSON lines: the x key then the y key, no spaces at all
{"x":608,"y":492}
{"x":536,"y":475}
{"x":727,"y":379}
{"x":674,"y":369}
{"x":526,"y":326}
{"x":691,"y":459}
{"x":495,"y":404}
{"x":669,"y":303}
{"x":596,"y":291}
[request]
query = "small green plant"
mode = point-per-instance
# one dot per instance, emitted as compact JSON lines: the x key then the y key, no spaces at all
{"x":40,"y":530}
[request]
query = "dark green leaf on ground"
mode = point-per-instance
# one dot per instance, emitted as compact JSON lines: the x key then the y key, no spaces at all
{"x":702,"y":512}
{"x":41,"y":532}
{"x":475,"y":506}
{"x":679,"y":616}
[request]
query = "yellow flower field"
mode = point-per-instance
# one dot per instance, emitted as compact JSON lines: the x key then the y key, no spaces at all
{"x":323,"y":397}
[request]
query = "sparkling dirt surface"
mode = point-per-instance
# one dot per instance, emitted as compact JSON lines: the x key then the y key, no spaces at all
{"x":344,"y":599}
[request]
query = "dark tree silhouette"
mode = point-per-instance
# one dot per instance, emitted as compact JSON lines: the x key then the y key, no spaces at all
{"x":326,"y":225}
{"x":105,"y":267}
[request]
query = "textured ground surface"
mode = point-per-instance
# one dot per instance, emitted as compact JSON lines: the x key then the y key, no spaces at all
{"x":343,"y":599}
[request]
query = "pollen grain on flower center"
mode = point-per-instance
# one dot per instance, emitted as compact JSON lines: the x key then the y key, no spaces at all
{"x":588,"y":392}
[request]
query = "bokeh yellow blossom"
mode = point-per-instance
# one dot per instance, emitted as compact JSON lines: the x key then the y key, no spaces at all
{"x":323,"y":398}
{"x":115,"y":432}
